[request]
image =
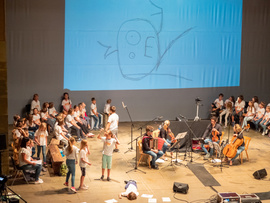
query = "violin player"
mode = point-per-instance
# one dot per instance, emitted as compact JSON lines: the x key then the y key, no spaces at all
{"x":164,"y":134}
{"x":211,"y":135}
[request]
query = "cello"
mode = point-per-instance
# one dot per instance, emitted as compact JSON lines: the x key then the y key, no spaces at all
{"x":230,"y":150}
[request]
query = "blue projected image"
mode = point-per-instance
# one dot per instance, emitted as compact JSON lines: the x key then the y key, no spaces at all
{"x":152,"y":44}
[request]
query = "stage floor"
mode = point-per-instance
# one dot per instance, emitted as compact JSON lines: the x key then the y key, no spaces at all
{"x":159,"y":183}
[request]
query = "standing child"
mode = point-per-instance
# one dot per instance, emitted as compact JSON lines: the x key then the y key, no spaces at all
{"x":95,"y":114}
{"x":112,"y":124}
{"x":83,"y":162}
{"x":41,"y":140}
{"x":109,"y":142}
{"x":72,"y":159}
{"x":107,"y":110}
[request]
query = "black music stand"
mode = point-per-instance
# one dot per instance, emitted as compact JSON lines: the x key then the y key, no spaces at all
{"x":136,"y":157}
{"x":189,"y":138}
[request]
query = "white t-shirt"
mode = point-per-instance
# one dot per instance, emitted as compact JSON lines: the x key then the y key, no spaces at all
{"x":28,"y":124}
{"x":36,"y":117}
{"x":239,"y":106}
{"x":250,"y":111}
{"x":260,"y":112}
{"x":108,"y":146}
{"x":17,"y":133}
{"x":83,"y":154}
{"x":69,"y":118}
{"x":44,"y":115}
{"x":66,"y":104}
{"x":218,"y":103}
{"x":227,"y":101}
{"x":93,"y":107}
{"x":52,"y":111}
{"x":131,"y":188}
{"x":113,"y":119}
{"x":256,"y":106}
{"x":107,"y":108}
{"x":73,"y":155}
{"x":58,"y":132}
{"x":28,"y":156}
{"x":266,"y":115}
{"x":41,"y":136}
{"x":35,"y":104}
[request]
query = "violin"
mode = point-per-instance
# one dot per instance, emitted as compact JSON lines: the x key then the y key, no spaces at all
{"x":170,"y":133}
{"x":215,"y":135}
{"x":231,"y":149}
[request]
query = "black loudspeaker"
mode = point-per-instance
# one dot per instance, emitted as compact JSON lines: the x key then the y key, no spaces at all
{"x":3,"y":144}
{"x":180,"y":187}
{"x":260,"y":174}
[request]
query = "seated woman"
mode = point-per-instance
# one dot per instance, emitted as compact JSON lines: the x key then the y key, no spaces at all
{"x":250,"y":113}
{"x":27,"y":162}
{"x":238,"y":135}
{"x":164,"y":134}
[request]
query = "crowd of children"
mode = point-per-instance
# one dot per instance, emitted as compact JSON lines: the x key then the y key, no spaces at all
{"x":241,"y":112}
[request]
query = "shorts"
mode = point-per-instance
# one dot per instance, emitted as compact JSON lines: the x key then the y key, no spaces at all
{"x":106,"y":161}
{"x":115,"y":132}
{"x":83,"y":171}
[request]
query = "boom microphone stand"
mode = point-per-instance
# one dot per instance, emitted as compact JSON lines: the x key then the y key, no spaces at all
{"x":131,"y":128}
{"x":156,"y":118}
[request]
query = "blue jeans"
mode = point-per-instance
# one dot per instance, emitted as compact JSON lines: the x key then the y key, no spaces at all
{"x":71,"y":170}
{"x":37,"y":168}
{"x":208,"y":141}
{"x":154,"y":156}
{"x":256,"y":123}
{"x":43,"y":148}
{"x":165,"y":146}
{"x":264,"y":124}
{"x":97,"y":120}
{"x":239,"y":150}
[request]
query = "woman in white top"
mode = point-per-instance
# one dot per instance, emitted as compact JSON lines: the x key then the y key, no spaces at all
{"x":35,"y":104}
{"x":71,"y":153}
{"x":66,"y":102}
{"x":250,"y":113}
{"x":26,"y":161}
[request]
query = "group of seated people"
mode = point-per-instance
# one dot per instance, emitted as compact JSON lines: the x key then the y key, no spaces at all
{"x":40,"y":122}
{"x":242,"y":112}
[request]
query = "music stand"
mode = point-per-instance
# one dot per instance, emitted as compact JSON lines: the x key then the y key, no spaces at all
{"x":178,"y":138}
{"x":136,"y":157}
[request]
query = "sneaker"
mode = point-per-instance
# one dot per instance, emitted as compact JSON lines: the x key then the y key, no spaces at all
{"x":108,"y":179}
{"x":207,"y":156}
{"x":83,"y":188}
{"x":266,"y":132}
{"x":66,"y":184}
{"x":102,"y":177}
{"x":43,"y":169}
{"x":263,"y":134}
{"x":39,"y":181}
{"x":125,"y":181}
{"x":73,"y":189}
{"x":116,"y":150}
{"x":79,"y":140}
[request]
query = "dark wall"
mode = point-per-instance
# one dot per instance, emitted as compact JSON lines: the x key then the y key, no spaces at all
{"x":35,"y":49}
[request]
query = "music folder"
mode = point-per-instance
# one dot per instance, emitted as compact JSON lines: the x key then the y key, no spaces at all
{"x":180,"y":135}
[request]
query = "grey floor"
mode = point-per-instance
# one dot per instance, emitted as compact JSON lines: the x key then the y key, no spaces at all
{"x":237,"y":178}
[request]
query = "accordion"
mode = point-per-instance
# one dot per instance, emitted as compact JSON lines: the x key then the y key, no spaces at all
{"x":156,"y":143}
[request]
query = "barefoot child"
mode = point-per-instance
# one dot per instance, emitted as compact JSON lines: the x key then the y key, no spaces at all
{"x":109,"y":142}
{"x":84,"y":151}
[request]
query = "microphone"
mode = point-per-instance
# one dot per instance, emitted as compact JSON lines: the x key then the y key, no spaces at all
{"x":123,"y":105}
{"x":178,"y":119}
{"x":159,"y":117}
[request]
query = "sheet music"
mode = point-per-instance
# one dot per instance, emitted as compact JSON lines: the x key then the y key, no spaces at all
{"x":180,"y":135}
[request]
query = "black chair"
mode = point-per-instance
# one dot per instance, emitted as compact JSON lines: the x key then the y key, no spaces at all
{"x":17,"y":171}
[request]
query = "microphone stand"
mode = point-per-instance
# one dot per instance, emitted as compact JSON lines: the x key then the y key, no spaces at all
{"x":136,"y":157}
{"x":189,"y":138}
{"x":140,"y":128}
{"x":131,"y":129}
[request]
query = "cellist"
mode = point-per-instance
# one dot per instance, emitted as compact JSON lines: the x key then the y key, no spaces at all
{"x":212,"y":131}
{"x":238,"y":135}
